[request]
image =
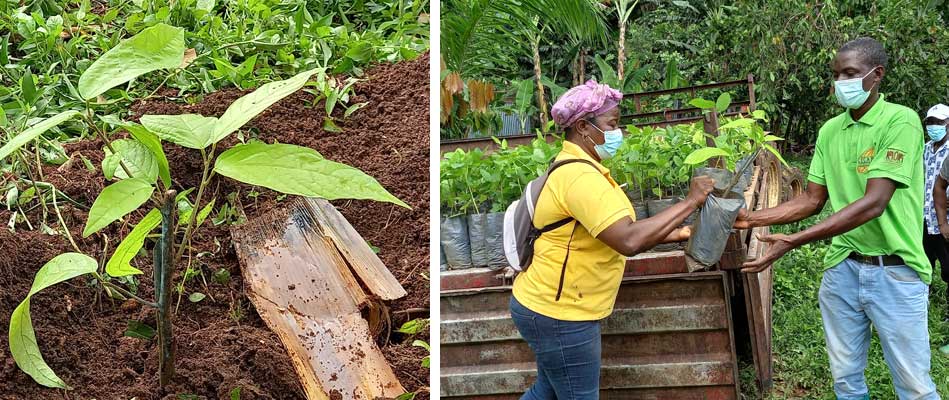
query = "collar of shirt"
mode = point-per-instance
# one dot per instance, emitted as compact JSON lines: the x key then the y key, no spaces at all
{"x":870,"y":118}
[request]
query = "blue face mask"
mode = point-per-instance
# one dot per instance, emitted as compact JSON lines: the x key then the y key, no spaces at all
{"x":936,"y":132}
{"x":613,"y":139}
{"x":850,"y":93}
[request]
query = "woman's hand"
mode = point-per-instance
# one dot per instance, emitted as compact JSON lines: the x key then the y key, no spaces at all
{"x":699,"y":189}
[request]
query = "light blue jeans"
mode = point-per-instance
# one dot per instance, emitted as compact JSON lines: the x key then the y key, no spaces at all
{"x":854,"y":295}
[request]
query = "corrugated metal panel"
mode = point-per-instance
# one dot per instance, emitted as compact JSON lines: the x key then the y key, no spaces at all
{"x":670,"y":337}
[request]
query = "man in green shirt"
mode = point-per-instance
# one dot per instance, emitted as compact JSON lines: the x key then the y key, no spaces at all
{"x":867,"y":162}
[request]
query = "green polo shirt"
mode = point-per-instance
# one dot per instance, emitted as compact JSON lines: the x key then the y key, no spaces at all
{"x":886,"y":143}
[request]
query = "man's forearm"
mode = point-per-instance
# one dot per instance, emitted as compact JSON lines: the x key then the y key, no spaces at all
{"x":794,"y":210}
{"x":848,"y":219}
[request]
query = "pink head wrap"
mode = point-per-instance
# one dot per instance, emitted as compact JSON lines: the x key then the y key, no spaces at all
{"x":579,"y":101}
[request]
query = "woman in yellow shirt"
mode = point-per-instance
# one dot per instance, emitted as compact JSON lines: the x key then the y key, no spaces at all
{"x":558,"y":308}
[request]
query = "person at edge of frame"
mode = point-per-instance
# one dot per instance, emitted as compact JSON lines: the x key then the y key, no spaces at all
{"x":868,"y":164}
{"x":934,"y":154}
{"x":573,"y":280}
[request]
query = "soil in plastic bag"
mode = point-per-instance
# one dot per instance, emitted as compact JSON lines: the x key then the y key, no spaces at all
{"x":494,"y":239}
{"x":454,"y":239}
{"x":476,"y":236}
{"x":712,"y":227}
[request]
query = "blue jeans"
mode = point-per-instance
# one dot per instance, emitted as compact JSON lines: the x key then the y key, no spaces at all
{"x":568,"y":355}
{"x":853,"y":296}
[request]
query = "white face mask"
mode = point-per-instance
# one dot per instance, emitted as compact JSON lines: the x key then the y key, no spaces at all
{"x":850,"y":93}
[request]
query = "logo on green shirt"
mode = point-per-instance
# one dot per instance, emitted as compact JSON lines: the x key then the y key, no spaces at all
{"x":863,"y":163}
{"x":895,"y":156}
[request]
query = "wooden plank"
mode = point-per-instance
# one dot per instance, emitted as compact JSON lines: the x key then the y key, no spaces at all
{"x":303,"y":287}
{"x":370,"y":269}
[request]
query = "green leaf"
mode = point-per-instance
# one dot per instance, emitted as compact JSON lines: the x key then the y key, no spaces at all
{"x":701,"y":155}
{"x":203,"y":214}
{"x":422,"y":344}
{"x":196,"y":297}
{"x":739,"y":123}
{"x":772,"y":138}
{"x":525,"y":92}
{"x":120,"y":262}
{"x":702,"y":103}
{"x":724,"y":100}
{"x":138,"y":330}
{"x":758,"y":114}
{"x":299,"y":170}
{"x":330,"y":126}
{"x":151,"y":141}
{"x":115,"y":201}
{"x":157,"y":47}
{"x":250,"y":105}
{"x":34,"y":131}
{"x":607,"y":73}
{"x":138,"y":158}
{"x":193,"y":131}
{"x":236,"y":393}
{"x":776,"y":154}
{"x":28,"y":87}
{"x":351,"y":109}
{"x":23,"y":344}
{"x":413,"y":327}
{"x":360,"y":52}
{"x":406,"y":396}
{"x":222,"y":276}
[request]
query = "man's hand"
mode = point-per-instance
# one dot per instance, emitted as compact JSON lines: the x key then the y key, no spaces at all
{"x":742,"y":221}
{"x":780,"y":245}
{"x":944,"y":230}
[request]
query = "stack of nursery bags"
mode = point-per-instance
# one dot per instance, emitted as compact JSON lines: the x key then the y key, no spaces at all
{"x":473,"y":240}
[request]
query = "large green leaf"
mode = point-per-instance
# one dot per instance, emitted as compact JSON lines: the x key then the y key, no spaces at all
{"x":299,"y":170}
{"x":249,"y":106}
{"x":137,"y":158}
{"x":703,"y":154}
{"x":525,"y":91}
{"x":607,"y":73}
{"x":34,"y":131}
{"x":151,"y":141}
{"x":724,"y":100}
{"x":23,"y":344}
{"x":157,"y":47}
{"x":120,"y":262}
{"x":189,"y":130}
{"x":115,"y":201}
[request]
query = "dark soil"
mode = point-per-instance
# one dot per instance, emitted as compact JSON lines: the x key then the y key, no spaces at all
{"x":222,"y":343}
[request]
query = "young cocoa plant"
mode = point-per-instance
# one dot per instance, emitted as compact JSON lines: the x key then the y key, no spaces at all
{"x":141,"y":174}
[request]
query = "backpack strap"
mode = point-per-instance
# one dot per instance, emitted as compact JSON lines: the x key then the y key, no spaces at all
{"x":558,"y":224}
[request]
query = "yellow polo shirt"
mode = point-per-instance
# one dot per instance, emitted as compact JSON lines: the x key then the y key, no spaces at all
{"x":594,"y":270}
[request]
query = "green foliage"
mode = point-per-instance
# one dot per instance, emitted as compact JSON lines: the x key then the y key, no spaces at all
{"x":35,"y":131}
{"x":156,"y":47}
{"x":120,"y":262}
{"x":472,"y":182}
{"x":299,"y":170}
{"x":23,"y":345}
{"x":139,"y":330}
{"x":426,"y":361}
{"x":115,"y":201}
{"x":414,"y":326}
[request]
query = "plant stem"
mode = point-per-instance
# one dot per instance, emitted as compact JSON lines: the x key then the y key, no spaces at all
{"x":124,"y":292}
{"x":164,"y":268}
{"x":63,"y":223}
{"x":192,"y":221}
{"x":738,"y":174}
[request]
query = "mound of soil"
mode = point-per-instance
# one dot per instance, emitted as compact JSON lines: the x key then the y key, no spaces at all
{"x":222,"y":343}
